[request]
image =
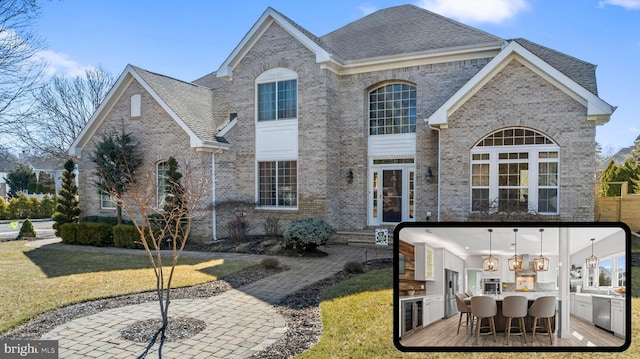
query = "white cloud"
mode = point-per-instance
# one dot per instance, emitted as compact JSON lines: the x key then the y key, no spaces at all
{"x":58,"y":63}
{"x":368,"y":9}
{"x":633,"y":129}
{"x":492,"y":11}
{"x":627,"y":4}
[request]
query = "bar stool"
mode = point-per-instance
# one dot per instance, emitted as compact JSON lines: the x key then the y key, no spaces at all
{"x":484,"y":307}
{"x":543,"y":307}
{"x":468,"y":294}
{"x":515,"y":306}
{"x":462,"y":308}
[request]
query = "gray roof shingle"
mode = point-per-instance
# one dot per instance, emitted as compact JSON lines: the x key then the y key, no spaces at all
{"x":191,"y":102}
{"x":399,"y":30}
{"x":579,"y":71}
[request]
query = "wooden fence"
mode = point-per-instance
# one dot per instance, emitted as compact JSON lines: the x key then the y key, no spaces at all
{"x":624,"y":208}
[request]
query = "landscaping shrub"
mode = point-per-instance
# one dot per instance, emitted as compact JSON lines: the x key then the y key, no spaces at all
{"x":87,"y":234}
{"x":238,"y":227}
{"x":354,"y":267}
{"x":307,"y":234}
{"x":27,"y":231}
{"x":127,"y":236}
{"x":4,"y":208}
{"x":20,"y":207}
{"x":271,"y":226}
{"x":270,"y":262}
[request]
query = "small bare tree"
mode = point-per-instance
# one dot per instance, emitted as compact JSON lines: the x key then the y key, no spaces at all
{"x":154,"y":225}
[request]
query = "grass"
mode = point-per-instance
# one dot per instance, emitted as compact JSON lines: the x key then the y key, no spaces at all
{"x":33,"y":281}
{"x":358,"y":322}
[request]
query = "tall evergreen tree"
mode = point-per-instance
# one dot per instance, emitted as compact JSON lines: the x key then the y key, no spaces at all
{"x":174,"y":201}
{"x":117,"y":159}
{"x":67,"y":205}
{"x":18,"y":180}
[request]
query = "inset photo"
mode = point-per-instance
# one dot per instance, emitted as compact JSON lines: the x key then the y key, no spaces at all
{"x":512,"y":286}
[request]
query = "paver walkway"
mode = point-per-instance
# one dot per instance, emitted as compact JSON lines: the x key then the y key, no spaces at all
{"x":240,"y":322}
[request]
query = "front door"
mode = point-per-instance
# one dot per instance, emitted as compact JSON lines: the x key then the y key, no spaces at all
{"x":392,"y":194}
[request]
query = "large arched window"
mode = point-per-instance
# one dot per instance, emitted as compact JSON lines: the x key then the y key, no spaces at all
{"x":515,"y":170}
{"x":392,"y":109}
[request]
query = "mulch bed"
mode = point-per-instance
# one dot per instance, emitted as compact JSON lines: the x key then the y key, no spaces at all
{"x":273,"y":246}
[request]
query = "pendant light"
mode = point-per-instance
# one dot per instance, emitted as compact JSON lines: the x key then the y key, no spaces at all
{"x":515,"y":262}
{"x":541,"y":264}
{"x":490,"y":264}
{"x":592,"y":262}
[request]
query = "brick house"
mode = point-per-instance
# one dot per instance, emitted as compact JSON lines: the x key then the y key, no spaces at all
{"x":398,"y":116}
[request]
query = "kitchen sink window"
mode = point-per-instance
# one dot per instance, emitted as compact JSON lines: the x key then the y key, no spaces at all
{"x":515,"y":170}
{"x":610,"y":273}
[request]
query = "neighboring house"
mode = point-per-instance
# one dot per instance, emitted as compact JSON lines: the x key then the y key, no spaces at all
{"x":6,"y":165}
{"x":402,"y":115}
{"x":51,"y":165}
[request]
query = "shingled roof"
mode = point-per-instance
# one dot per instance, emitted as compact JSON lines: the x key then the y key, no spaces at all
{"x":399,"y":30}
{"x":191,"y":102}
{"x":579,"y":71}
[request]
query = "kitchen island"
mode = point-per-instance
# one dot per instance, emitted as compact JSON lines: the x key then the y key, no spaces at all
{"x":501,"y":321}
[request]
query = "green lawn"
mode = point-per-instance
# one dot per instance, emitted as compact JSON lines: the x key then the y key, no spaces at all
{"x":33,"y":281}
{"x":358,"y":322}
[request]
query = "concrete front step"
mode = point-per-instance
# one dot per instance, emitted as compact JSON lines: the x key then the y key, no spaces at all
{"x":364,"y":238}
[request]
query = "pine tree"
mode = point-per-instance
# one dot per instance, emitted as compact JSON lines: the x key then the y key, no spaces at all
{"x":67,"y":205}
{"x":174,"y":201}
{"x":117,"y":159}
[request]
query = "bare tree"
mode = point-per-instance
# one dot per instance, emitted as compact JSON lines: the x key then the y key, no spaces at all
{"x":19,"y":72}
{"x":61,"y":108}
{"x":139,"y":203}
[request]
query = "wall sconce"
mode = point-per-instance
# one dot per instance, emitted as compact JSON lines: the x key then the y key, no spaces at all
{"x":350,"y":176}
{"x":429,"y":175}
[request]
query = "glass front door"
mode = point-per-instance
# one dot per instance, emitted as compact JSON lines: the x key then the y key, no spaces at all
{"x":392,"y":194}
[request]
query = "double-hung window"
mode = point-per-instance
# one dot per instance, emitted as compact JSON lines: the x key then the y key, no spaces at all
{"x":278,"y":100}
{"x":515,"y":170}
{"x":278,"y":184}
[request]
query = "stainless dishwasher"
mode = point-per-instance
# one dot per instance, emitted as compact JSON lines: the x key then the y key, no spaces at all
{"x":602,"y":312}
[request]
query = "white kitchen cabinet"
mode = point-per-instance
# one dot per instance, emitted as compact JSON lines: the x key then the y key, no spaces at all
{"x":437,"y":308}
{"x":584,"y":308}
{"x":424,"y":262}
{"x":426,"y":312}
{"x":448,"y":260}
{"x":617,"y":316}
{"x":572,"y":303}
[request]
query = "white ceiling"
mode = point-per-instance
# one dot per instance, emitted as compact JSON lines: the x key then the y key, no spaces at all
{"x":469,"y":241}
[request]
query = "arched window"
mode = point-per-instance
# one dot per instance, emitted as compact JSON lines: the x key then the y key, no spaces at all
{"x":162,"y":182}
{"x":392,"y":109}
{"x":515,"y":170}
{"x":277,"y":95}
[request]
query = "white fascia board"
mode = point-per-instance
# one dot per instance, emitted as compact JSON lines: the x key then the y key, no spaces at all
{"x":256,"y":32}
{"x":98,"y":116}
{"x":420,"y":58}
{"x":228,"y":127}
{"x":596,"y":107}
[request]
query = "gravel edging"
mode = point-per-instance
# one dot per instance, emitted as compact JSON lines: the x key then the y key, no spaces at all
{"x":302,"y":313}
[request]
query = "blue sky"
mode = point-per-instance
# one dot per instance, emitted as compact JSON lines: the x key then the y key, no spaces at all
{"x":187,"y":39}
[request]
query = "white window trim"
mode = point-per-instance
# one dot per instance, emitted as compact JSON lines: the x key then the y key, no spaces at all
{"x":614,"y":272}
{"x":157,"y":177}
{"x":277,"y":74}
{"x":533,"y":161}
{"x":102,"y":201}
{"x":257,"y":186}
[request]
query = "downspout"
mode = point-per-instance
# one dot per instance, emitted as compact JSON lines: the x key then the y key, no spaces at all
{"x":213,"y":196}
{"x":438,"y":193}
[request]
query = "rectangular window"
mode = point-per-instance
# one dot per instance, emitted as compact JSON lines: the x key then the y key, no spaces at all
{"x":548,"y":182}
{"x":278,"y":100}
{"x":621,"y":277}
{"x":106,"y":201}
{"x":162,"y":183}
{"x":513,"y":186}
{"x":278,"y":183}
{"x":605,"y":270}
{"x":480,"y":182}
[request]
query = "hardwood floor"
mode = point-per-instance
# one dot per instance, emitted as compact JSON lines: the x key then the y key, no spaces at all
{"x":443,"y":334}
